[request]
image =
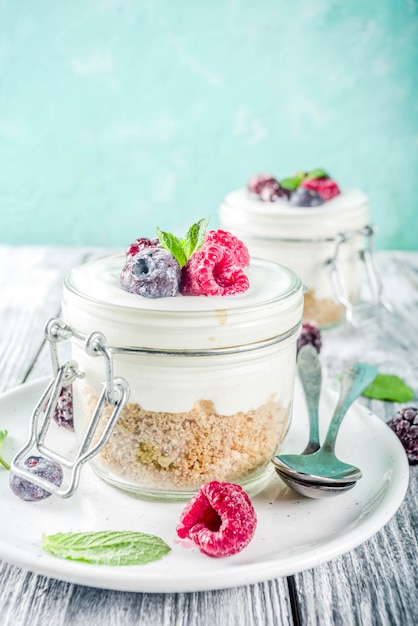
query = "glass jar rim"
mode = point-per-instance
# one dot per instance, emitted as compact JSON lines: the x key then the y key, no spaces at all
{"x":269,"y":308}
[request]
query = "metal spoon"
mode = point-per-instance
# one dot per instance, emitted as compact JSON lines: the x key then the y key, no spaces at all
{"x":309,"y":370}
{"x":323,"y":465}
{"x":315,"y":490}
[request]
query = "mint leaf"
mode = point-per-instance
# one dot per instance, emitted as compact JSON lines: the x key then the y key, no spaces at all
{"x":182,"y":249}
{"x":389,"y":387}
{"x":3,"y":435}
{"x":195,"y":236}
{"x":174,"y":245}
{"x":292,"y":182}
{"x":106,"y":547}
{"x":317,"y":173}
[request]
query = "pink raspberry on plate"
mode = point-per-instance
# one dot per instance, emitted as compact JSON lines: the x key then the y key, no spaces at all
{"x":325,"y":187}
{"x":220,"y":519}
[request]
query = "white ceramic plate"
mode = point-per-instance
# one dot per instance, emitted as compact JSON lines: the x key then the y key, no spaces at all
{"x":293,"y":533}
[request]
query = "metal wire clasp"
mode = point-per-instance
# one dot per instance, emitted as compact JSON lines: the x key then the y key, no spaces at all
{"x":115,"y":393}
{"x":361,"y":313}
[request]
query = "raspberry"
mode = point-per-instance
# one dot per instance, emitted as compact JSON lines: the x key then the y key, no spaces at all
{"x":405,"y":424}
{"x":63,"y":414}
{"x":152,"y":272}
{"x":220,"y":519}
{"x":212,"y":271}
{"x":228,"y":240}
{"x":257,"y":182}
{"x":309,"y":334}
{"x":325,"y":187}
{"x":39,"y":466}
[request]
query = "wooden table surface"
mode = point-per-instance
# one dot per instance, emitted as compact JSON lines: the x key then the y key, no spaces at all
{"x":375,"y":583}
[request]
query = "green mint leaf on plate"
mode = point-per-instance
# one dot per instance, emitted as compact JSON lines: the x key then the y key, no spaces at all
{"x":174,"y":245}
{"x":106,"y":547}
{"x":389,"y":387}
{"x":3,"y":435}
{"x":317,"y":173}
{"x":195,"y":237}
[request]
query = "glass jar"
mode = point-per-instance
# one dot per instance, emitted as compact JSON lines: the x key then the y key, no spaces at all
{"x":211,"y":378}
{"x":328,"y":246}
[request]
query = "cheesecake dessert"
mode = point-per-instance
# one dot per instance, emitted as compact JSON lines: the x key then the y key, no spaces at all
{"x":206,"y":337}
{"x":307,"y":223}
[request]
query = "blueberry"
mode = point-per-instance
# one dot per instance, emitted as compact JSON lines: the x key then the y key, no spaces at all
{"x":140,"y":267}
{"x":39,"y":466}
{"x":305,"y":197}
{"x":152,"y":273}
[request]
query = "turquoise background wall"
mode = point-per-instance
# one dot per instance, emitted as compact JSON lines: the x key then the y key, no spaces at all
{"x":118,"y":115}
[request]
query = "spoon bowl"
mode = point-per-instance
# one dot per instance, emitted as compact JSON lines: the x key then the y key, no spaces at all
{"x":321,"y":470}
{"x":315,"y":490}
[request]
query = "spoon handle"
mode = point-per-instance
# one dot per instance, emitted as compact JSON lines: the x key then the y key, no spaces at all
{"x":355,"y":380}
{"x":309,"y":370}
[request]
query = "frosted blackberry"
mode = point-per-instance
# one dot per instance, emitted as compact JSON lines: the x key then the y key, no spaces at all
{"x":405,"y":424}
{"x":271,"y":191}
{"x":305,"y":197}
{"x":63,"y":414}
{"x":310,"y":334}
{"x":258,"y":181}
{"x":39,"y":466}
{"x":153,"y":273}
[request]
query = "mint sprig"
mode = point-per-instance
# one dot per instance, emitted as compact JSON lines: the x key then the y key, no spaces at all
{"x":3,"y":435}
{"x":389,"y":387}
{"x":317,"y":173}
{"x":292,"y":182}
{"x":106,"y":547}
{"x":182,"y":249}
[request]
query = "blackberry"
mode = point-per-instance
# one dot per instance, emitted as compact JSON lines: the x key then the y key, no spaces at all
{"x":39,"y":466}
{"x":310,"y":334}
{"x":63,"y":414}
{"x":257,"y":182}
{"x":271,"y":191}
{"x":405,"y":425}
